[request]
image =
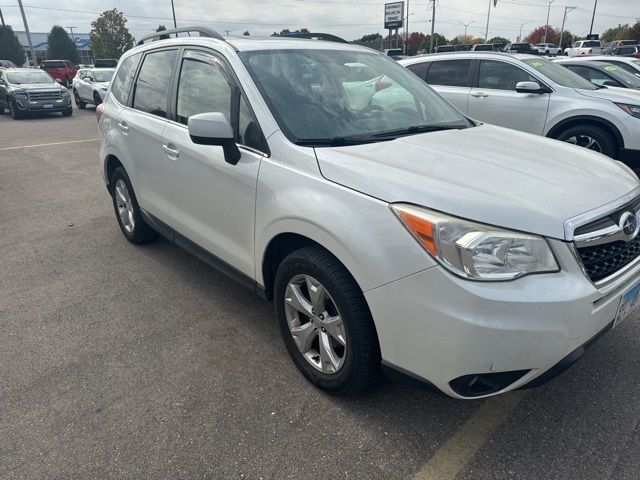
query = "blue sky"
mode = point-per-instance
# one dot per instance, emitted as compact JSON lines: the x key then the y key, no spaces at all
{"x":348,"y":18}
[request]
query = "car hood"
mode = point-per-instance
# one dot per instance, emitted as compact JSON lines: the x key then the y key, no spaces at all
{"x":614,"y":94}
{"x":488,"y":174}
{"x":36,"y":86}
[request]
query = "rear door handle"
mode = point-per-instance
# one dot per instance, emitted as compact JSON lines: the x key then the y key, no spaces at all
{"x":479,"y":95}
{"x":171,"y":150}
{"x":124,"y":128}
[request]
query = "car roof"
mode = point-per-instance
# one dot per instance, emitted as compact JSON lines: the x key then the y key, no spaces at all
{"x":19,"y":69}
{"x":599,"y":58}
{"x":465,"y":55}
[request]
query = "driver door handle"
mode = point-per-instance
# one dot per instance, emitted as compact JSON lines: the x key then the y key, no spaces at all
{"x":124,"y":128}
{"x":479,"y":95}
{"x":171,"y":150}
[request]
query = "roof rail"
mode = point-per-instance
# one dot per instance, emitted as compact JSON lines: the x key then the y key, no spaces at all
{"x":203,"y":31}
{"x":316,"y":36}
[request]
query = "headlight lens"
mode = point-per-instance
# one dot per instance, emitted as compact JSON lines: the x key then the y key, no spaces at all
{"x":476,"y":251}
{"x":65,"y":91}
{"x":630,"y":109}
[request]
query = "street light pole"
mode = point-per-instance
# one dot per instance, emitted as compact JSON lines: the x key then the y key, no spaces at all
{"x":593,"y":17}
{"x":26,"y":30}
{"x":486,"y":32}
{"x":546,"y":26}
{"x":71,"y":29}
{"x":466,"y":25}
{"x":173,"y":10}
{"x":522,"y":25}
{"x":433,"y":25}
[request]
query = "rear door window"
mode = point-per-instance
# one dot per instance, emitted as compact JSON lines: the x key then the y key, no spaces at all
{"x":121,"y":85}
{"x":452,"y":73}
{"x":151,"y":92}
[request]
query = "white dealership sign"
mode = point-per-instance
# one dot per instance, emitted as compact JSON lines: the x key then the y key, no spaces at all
{"x":393,"y":15}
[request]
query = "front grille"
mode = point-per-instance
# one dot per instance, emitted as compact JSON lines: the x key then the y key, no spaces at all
{"x":601,"y":261}
{"x":40,"y":96}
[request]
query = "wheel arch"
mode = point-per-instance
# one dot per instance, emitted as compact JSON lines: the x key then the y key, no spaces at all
{"x":587,"y":120}
{"x":110,"y":164}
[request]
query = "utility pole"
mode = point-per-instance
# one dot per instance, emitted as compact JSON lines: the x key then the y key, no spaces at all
{"x":593,"y":17}
{"x":71,"y":29}
{"x":546,"y":26}
{"x":466,"y":25}
{"x":227,"y":32}
{"x":26,"y":29}
{"x":486,"y":32}
{"x":433,"y":25}
{"x":564,"y":19}
{"x":2,"y":17}
{"x":173,"y":10}
{"x":406,"y":30}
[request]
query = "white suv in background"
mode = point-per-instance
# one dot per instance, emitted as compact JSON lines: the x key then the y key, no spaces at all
{"x":90,"y":85}
{"x":388,"y":228}
{"x":535,"y":95}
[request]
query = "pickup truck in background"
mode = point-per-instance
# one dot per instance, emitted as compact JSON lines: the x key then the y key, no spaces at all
{"x":584,"y":47}
{"x":62,"y":71}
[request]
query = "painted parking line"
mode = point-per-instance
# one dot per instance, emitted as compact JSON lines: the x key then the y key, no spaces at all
{"x":49,"y":144}
{"x":458,"y":451}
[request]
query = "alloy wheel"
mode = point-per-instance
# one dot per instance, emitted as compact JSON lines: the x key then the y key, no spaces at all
{"x":585,"y":141}
{"x":125,"y":208}
{"x":315,"y":324}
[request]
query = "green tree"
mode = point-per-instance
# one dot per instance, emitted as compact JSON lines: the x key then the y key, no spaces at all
{"x":372,"y":37}
{"x":621,"y":32}
{"x":634,"y":32}
{"x":10,"y":48}
{"x":60,"y":46}
{"x":499,"y":40}
{"x":437,"y":40}
{"x":110,"y":37}
{"x":162,"y":28}
{"x":567,"y":40}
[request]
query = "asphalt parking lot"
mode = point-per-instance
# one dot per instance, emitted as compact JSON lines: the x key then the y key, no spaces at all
{"x":119,"y":361}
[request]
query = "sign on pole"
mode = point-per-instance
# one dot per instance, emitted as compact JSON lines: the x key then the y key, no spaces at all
{"x":393,"y":15}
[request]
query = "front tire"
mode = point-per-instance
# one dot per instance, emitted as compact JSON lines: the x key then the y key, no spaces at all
{"x":591,"y":137}
{"x":127,"y":210}
{"x":67,"y":112}
{"x":79,"y":103}
{"x":97,"y":100}
{"x":16,"y":114}
{"x":325,"y":322}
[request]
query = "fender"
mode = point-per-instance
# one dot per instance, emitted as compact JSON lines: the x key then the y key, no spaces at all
{"x":564,"y":123}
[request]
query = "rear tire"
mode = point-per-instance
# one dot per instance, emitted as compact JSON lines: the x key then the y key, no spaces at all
{"x":592,"y":137}
{"x":351,"y":362}
{"x":127,"y":210}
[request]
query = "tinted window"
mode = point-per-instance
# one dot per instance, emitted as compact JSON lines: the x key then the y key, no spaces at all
{"x":501,"y":75}
{"x":454,"y":73}
{"x":593,"y":75}
{"x":626,"y":50}
{"x":154,"y":79}
{"x":203,"y":87}
{"x":420,"y":69}
{"x":121,"y":85}
{"x":592,"y":43}
{"x":53,"y":65}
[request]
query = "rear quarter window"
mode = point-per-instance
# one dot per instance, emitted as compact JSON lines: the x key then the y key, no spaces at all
{"x":122,"y":80}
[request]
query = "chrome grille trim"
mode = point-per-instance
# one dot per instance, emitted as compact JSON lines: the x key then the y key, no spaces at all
{"x":40,"y":96}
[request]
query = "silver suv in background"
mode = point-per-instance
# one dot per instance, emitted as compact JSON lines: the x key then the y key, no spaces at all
{"x":90,"y":85}
{"x":535,"y":95}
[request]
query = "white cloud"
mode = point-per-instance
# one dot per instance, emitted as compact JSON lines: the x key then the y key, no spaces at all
{"x":348,"y":18}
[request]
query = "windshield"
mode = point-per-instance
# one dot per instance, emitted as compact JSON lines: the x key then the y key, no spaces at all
{"x":104,"y":75}
{"x":626,"y":78}
{"x":560,"y":75}
{"x":18,"y":78}
{"x":327,"y":95}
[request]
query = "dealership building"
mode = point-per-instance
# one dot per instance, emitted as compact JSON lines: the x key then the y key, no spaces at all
{"x":39,"y":40}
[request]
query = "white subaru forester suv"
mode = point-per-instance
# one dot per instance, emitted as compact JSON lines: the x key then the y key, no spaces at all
{"x":389,"y":230}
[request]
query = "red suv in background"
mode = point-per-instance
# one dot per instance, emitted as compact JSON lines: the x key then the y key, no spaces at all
{"x":61,"y":70}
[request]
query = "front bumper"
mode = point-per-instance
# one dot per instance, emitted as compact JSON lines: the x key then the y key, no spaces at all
{"x":55,"y":105}
{"x":440,"y":328}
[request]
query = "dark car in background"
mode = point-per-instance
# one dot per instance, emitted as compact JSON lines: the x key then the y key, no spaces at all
{"x":445,"y":49}
{"x":483,"y":47}
{"x":520,"y":48}
{"x":609,"y":48}
{"x":626,"y":51}
{"x":30,"y":90}
{"x":105,"y":63}
{"x":62,"y":71}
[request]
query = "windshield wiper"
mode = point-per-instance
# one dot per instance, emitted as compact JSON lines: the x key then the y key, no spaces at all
{"x":334,"y":142}
{"x":419,"y":129}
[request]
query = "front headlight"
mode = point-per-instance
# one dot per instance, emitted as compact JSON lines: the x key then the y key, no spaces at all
{"x":630,"y":109}
{"x":19,"y":93}
{"x":475,"y":251}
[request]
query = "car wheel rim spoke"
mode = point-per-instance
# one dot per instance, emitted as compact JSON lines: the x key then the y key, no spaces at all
{"x":124,"y":206}
{"x":315,"y":324}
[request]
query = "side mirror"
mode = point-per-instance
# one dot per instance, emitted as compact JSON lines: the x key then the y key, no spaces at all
{"x":531,"y":87}
{"x":214,"y":129}
{"x":610,"y":83}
